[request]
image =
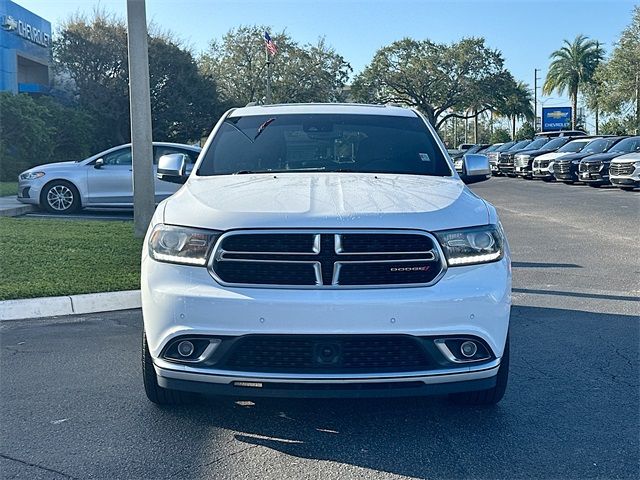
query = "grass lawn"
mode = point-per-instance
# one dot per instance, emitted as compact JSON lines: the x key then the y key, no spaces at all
{"x":49,"y":257}
{"x":8,"y":188}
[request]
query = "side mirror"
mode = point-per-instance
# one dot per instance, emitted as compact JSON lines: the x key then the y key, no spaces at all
{"x":99,"y":163}
{"x":475,"y":168}
{"x":173,"y":168}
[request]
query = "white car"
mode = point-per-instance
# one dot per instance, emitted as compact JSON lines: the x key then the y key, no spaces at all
{"x":104,"y":180}
{"x":542,"y":166}
{"x":325,"y":250}
{"x":624,"y":171}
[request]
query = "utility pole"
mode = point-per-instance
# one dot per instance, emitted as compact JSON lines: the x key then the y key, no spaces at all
{"x":266,"y":52}
{"x":597,"y":93}
{"x":535,"y":99}
{"x":637,"y":103}
{"x":140,"y":108}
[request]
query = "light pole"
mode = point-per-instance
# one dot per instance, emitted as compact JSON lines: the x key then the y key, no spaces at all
{"x":140,"y":108}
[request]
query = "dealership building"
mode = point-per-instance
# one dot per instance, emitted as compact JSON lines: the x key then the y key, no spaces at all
{"x":25,"y":50}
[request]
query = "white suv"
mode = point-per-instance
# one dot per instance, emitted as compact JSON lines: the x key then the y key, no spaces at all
{"x":325,"y":250}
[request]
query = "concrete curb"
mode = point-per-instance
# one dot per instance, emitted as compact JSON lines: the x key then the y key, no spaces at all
{"x":69,"y":305}
{"x":16,"y":211}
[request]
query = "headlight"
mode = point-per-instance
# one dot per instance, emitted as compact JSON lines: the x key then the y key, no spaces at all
{"x":31,"y":175}
{"x":468,"y":246}
{"x":189,"y":246}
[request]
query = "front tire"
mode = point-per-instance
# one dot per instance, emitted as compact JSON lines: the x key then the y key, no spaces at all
{"x":490,"y":396}
{"x":60,"y":197}
{"x":155,"y":393}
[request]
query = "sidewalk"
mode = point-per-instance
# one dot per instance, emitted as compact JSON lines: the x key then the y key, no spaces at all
{"x":11,"y":207}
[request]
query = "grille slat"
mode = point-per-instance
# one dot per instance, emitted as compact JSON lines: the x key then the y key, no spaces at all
{"x":326,"y":259}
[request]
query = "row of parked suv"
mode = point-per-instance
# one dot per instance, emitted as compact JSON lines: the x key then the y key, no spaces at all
{"x":567,"y":156}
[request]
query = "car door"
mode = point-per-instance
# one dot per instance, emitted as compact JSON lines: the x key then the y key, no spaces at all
{"x":166,"y":189}
{"x":112,"y":183}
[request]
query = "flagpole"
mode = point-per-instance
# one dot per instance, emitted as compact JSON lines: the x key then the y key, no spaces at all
{"x":266,"y":52}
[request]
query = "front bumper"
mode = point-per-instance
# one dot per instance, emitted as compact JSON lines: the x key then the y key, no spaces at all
{"x":29,"y":191}
{"x":180,"y":300}
{"x":632,"y":179}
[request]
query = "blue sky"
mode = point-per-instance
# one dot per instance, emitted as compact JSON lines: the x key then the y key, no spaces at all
{"x":525,"y":31}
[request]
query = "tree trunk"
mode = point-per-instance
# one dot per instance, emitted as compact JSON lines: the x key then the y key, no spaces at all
{"x":513,"y":127}
{"x":475,"y":125}
{"x":574,"y":109}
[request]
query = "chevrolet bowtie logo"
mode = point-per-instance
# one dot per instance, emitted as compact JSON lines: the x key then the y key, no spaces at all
{"x":558,"y":114}
{"x":8,"y":22}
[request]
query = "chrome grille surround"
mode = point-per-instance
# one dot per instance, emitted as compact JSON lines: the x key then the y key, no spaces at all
{"x":434,"y":255}
{"x":622,"y":168}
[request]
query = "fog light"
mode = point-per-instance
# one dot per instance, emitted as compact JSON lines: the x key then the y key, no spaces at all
{"x":185,"y":348}
{"x":468,"y":349}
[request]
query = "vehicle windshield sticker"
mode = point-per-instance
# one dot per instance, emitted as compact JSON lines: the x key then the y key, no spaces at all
{"x":425,"y":157}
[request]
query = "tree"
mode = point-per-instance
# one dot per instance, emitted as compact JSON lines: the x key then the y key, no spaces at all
{"x":439,"y":80}
{"x":93,"y":53}
{"x":620,"y":76}
{"x":300,"y":73}
{"x":526,"y":131}
{"x":500,"y":135}
{"x":572,"y":68}
{"x":516,"y":105}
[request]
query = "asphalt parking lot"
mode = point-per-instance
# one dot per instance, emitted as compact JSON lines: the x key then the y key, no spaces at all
{"x":72,"y":403}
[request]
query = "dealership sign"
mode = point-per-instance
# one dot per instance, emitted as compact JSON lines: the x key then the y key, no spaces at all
{"x":556,"y":118}
{"x":25,"y":30}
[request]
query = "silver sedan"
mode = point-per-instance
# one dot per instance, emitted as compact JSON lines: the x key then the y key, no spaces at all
{"x":103,"y":180}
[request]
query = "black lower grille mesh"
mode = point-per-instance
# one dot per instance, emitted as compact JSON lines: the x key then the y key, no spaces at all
{"x":322,"y":353}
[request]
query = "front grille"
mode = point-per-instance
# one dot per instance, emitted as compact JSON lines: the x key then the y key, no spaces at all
{"x":326,"y":353}
{"x":562,"y":167}
{"x":326,"y":259}
{"x":621,"y":169}
{"x":522,"y":161}
{"x":592,"y":167}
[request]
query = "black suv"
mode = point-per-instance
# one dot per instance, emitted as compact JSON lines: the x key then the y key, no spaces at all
{"x":524,"y":160}
{"x":495,"y":155}
{"x":565,"y":169}
{"x":506,"y":161}
{"x":594,"y":170}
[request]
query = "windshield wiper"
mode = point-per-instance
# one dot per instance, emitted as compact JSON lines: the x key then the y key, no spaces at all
{"x":273,"y":170}
{"x":263,"y":127}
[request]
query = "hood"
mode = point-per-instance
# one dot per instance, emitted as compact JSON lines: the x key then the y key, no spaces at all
{"x":325,"y":200}
{"x":552,"y":155}
{"x":576,"y":156}
{"x":627,"y":157}
{"x":52,"y":166}
{"x":601,"y":157}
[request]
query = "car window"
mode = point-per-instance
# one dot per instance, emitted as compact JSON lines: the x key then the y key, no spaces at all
{"x":627,"y":145}
{"x":573,"y":147}
{"x":159,"y":151}
{"x":556,"y":143}
{"x":505,"y":147}
{"x":324,"y":142}
{"x":537,"y":143}
{"x":519,"y":145}
{"x":119,"y":157}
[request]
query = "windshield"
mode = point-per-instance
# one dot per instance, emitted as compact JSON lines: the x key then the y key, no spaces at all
{"x":521,"y":144}
{"x":491,"y":148}
{"x":474,"y":149}
{"x":506,"y":147}
{"x":324,"y":142}
{"x":627,"y":145}
{"x":573,"y":147}
{"x":599,"y":146}
{"x":537,"y":143}
{"x":556,"y":143}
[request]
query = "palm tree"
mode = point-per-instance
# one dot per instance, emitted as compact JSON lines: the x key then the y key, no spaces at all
{"x":573,"y":67}
{"x":517,"y":104}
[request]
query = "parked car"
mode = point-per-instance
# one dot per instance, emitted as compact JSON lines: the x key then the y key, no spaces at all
{"x":493,"y":156}
{"x":542,"y":166}
{"x":565,"y":169}
{"x":507,"y":159}
{"x":594,"y":170}
{"x":103,"y":180}
{"x":326,"y":250}
{"x":624,"y":171}
{"x":523,"y":161}
{"x":474,"y":149}
{"x":490,"y":148}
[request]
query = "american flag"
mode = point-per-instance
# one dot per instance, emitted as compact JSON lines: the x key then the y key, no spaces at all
{"x":271,"y":46}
